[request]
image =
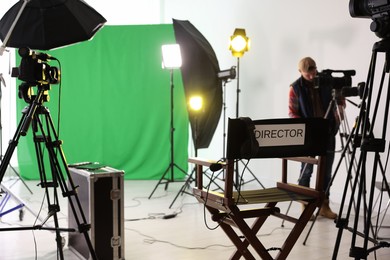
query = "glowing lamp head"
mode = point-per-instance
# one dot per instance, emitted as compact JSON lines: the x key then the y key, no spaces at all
{"x":171,"y":56}
{"x":196,"y":103}
{"x":239,"y":43}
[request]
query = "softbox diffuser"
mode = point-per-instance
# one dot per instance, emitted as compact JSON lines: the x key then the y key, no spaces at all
{"x":45,"y":25}
{"x":199,"y":72}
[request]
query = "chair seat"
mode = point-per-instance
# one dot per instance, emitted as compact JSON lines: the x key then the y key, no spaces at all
{"x":268,"y":195}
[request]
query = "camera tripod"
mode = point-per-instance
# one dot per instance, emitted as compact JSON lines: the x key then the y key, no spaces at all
{"x":345,"y":134}
{"x":336,"y":105}
{"x":44,"y":135}
{"x":370,"y":147}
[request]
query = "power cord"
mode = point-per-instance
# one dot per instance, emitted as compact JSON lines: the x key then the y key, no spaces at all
{"x":152,"y":240}
{"x":162,"y":215}
{"x":151,"y":216}
{"x":155,"y":216}
{"x":208,"y":189}
{"x":241,"y":182}
{"x":205,"y":202}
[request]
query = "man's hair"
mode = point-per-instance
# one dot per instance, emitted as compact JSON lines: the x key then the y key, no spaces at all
{"x":306,"y":64}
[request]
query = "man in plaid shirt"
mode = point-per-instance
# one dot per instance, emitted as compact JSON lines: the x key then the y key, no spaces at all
{"x":307,"y":100}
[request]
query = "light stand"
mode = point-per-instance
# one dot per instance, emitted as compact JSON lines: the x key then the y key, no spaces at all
{"x":225,"y":76}
{"x":224,"y":134}
{"x":239,"y":44}
{"x":195,"y":106}
{"x":171,"y":60}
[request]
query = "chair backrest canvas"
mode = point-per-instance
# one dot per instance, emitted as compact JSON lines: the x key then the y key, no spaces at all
{"x":273,"y":138}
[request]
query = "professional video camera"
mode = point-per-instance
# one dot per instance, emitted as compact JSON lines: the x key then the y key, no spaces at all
{"x":325,"y":78}
{"x":342,"y":86}
{"x":35,"y":71}
{"x":377,"y":10}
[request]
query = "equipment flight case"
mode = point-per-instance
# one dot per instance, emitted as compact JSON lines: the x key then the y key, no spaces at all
{"x":100,"y":191}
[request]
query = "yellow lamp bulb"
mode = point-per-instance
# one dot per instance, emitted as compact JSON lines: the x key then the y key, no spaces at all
{"x":196,"y":103}
{"x":238,"y":43}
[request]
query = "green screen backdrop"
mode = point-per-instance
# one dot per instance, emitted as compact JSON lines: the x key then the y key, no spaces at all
{"x":114,"y":101}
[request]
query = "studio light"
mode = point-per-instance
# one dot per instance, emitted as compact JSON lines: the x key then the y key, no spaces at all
{"x":196,"y":103}
{"x":171,"y":56}
{"x":225,"y":75}
{"x":239,"y":43}
{"x":171,"y":59}
{"x":199,"y":73}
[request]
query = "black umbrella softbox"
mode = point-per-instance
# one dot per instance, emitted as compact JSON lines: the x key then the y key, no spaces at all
{"x":199,"y":72}
{"x":48,"y":24}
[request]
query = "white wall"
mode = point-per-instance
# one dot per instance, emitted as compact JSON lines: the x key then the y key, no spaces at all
{"x":282,"y":32}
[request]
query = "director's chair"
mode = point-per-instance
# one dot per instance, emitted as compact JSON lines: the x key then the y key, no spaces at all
{"x":300,"y":140}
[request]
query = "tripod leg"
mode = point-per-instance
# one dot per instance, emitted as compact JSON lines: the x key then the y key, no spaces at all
{"x":254,"y":178}
{"x":240,"y":181}
{"x":342,"y":222}
{"x":161,"y":181}
{"x":184,"y":187}
{"x":345,"y":151}
{"x":53,"y":204}
{"x":11,"y":147}
{"x":58,"y":167}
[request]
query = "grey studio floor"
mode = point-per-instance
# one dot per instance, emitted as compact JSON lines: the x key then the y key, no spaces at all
{"x":149,"y":236}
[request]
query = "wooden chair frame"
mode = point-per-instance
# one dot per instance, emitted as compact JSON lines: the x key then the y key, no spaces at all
{"x":224,"y":206}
